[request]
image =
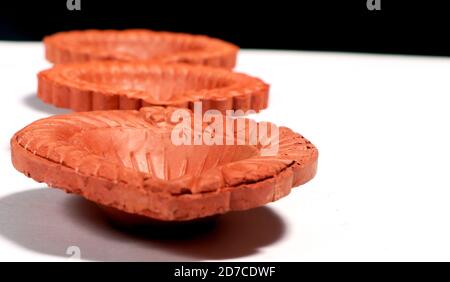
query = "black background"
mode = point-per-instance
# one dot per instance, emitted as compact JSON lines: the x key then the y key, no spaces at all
{"x":402,"y":26}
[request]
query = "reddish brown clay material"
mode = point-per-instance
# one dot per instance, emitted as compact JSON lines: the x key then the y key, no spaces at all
{"x":131,"y":85}
{"x":127,"y":160}
{"x":139,"y":45}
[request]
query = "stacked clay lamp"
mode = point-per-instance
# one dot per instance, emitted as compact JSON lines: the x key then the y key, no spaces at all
{"x":117,"y":148}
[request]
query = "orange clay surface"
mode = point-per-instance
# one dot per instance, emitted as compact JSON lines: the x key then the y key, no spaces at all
{"x":131,"y":85}
{"x":126,"y":160}
{"x":139,"y":45}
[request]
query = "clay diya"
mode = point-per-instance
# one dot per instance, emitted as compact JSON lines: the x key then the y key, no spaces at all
{"x":139,"y":45}
{"x":131,"y":85}
{"x":127,"y":161}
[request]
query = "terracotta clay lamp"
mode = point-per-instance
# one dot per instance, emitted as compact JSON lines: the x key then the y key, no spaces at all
{"x":127,"y":161}
{"x":139,"y":45}
{"x":131,"y":85}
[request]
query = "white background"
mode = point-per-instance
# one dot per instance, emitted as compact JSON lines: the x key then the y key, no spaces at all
{"x":382,"y":191}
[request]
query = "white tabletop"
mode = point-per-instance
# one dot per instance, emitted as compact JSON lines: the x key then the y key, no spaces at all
{"x":382,"y":191}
